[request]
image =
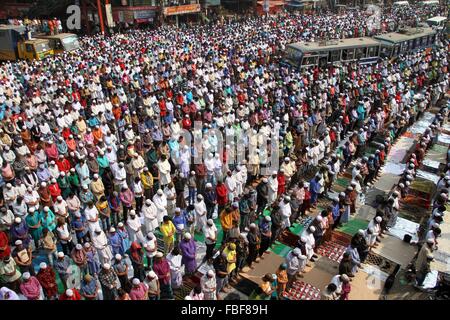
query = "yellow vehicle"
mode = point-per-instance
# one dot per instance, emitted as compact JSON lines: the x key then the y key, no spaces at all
{"x":62,"y":42}
{"x":34,"y":49}
{"x":14,"y":46}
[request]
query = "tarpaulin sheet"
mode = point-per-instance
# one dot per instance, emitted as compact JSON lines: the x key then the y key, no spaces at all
{"x":403,"y":227}
{"x":399,"y":151}
{"x":394,"y":168}
{"x":428,"y":176}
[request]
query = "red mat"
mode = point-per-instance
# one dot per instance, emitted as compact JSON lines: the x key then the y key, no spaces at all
{"x":332,"y":250}
{"x":302,"y":291}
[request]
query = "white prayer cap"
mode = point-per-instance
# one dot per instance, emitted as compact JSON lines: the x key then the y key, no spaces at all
{"x":69,"y":292}
{"x":305,"y":185}
{"x":42,"y":265}
{"x":302,"y":239}
{"x":132,"y":213}
{"x":192,"y":172}
{"x":95,"y":176}
{"x":187,"y":236}
{"x":160,"y":192}
{"x":209,"y":185}
{"x":106,"y":266}
{"x":78,"y":246}
{"x":344,"y":277}
{"x":60,"y":254}
{"x":210,"y":273}
{"x":287,"y":198}
{"x":150,"y":235}
{"x":210,"y":222}
{"x":252,"y":225}
{"x":312,"y":229}
{"x":430,"y":241}
{"x":264,"y":180}
{"x":188,"y":298}
{"x":112,"y":229}
{"x":297,"y":252}
{"x":18,"y":242}
{"x":148,"y":202}
{"x":361,"y":231}
{"x":200,"y":197}
{"x":319,"y":218}
{"x":274,"y":172}
{"x":9,"y":185}
{"x":85,"y":187}
{"x":17,"y":220}
{"x":26,"y":275}
{"x":77,"y":214}
{"x":136,"y":281}
{"x":159,"y":254}
{"x":268,"y":218}
{"x":401,"y":185}
{"x":378,"y":219}
{"x":152,"y":274}
{"x":120,"y":224}
{"x":118,"y":256}
{"x":59,"y":198}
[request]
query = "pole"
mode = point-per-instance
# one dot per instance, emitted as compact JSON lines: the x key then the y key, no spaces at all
{"x":100,"y":17}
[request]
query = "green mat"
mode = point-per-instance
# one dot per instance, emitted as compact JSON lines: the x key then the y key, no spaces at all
{"x":353,"y":226}
{"x":280,"y":249}
{"x":296,"y":228}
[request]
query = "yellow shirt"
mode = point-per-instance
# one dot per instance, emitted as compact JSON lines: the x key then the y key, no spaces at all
{"x":231,"y":256}
{"x":147,"y":180}
{"x":166,"y":229}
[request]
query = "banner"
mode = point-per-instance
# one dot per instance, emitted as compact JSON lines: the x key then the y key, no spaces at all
{"x":189,"y":8}
{"x":109,"y":17}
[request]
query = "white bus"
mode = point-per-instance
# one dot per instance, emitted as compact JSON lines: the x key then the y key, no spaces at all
{"x":322,"y":53}
{"x":398,"y":4}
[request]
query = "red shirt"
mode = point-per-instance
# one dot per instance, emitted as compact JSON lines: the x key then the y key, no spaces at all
{"x":222,"y":194}
{"x":76,"y":295}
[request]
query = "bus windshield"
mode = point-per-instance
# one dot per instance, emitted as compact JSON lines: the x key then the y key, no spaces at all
{"x":70,"y":43}
{"x":41,"y":47}
{"x":293,"y":56}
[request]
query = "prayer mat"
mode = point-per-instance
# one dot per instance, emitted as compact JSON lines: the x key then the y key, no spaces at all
{"x":332,"y":250}
{"x":289,"y":239}
{"x":188,"y":284}
{"x":296,"y":228}
{"x":246,"y":286}
{"x":341,"y":238}
{"x":431,"y":165}
{"x":352,"y":227}
{"x":438,"y":153}
{"x":443,"y":140}
{"x":416,"y":199}
{"x":280,"y":249}
{"x":302,"y":291}
{"x":413,"y":213}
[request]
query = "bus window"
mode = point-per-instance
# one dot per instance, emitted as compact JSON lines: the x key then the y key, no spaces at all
{"x":334,"y":56}
{"x":309,"y":61}
{"x":58,"y":45}
{"x":29,"y":48}
{"x":385,"y":51}
{"x":348,"y":54}
{"x":360,"y":53}
{"x":373,"y":52}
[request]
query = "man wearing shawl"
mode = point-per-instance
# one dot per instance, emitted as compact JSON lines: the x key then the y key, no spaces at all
{"x":162,"y":269}
{"x":47,"y":279}
{"x":188,"y":251}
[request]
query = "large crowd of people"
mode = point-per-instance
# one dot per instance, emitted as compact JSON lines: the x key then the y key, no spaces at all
{"x":168,"y":135}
